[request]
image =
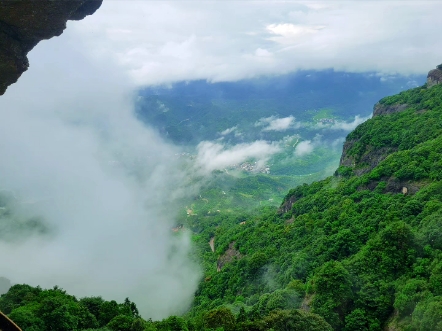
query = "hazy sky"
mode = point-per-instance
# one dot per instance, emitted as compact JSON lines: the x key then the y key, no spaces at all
{"x":165,"y":41}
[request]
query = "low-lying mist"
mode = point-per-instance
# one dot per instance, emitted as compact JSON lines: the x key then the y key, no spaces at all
{"x":104,"y":185}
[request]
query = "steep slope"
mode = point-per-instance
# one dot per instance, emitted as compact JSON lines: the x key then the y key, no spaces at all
{"x":23,"y":24}
{"x":362,"y":248}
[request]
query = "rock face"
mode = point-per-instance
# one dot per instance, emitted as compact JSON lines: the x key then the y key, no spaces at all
{"x":287,"y":205}
{"x":230,"y":254}
{"x":434,"y":77}
{"x":24,"y":23}
{"x":380,"y":109}
{"x":6,"y":324}
{"x":370,"y":159}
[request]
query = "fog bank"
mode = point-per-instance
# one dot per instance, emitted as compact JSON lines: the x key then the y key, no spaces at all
{"x":105,"y":185}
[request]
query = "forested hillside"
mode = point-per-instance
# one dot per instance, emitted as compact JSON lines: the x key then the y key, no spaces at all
{"x":360,"y":250}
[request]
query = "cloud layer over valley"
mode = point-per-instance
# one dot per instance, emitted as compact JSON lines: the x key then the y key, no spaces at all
{"x":273,"y":123}
{"x":215,"y":156}
{"x":105,"y":186}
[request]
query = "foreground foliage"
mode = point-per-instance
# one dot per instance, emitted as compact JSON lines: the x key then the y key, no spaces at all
{"x":35,"y":309}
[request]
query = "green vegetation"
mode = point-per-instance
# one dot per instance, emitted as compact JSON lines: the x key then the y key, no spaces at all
{"x":33,"y":308}
{"x":361,"y":250}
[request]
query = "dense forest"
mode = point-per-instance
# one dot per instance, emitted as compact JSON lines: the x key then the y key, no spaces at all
{"x":360,"y":250}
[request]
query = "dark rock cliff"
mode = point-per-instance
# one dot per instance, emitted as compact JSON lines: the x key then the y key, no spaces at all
{"x":380,"y":109}
{"x":435,"y":76}
{"x":24,"y":23}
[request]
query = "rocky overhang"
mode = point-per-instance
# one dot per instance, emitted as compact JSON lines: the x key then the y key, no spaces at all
{"x":24,"y":23}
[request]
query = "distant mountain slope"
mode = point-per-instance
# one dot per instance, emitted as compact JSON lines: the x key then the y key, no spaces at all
{"x":305,"y":115}
{"x":362,"y":248}
{"x":189,"y":112}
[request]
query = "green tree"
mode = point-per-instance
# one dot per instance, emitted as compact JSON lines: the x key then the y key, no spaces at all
{"x":121,"y":323}
{"x":130,"y":309}
{"x":332,"y":289}
{"x":172,"y":323}
{"x":58,"y":315}
{"x":436,"y":279}
{"x":356,"y":321}
{"x":256,"y":262}
{"x":295,"y":320}
{"x":108,"y":310}
{"x":242,"y":316}
{"x":409,"y":295}
{"x":93,"y":305}
{"x":428,"y":315}
{"x":26,"y":319}
{"x":17,"y":296}
{"x":221,"y":317}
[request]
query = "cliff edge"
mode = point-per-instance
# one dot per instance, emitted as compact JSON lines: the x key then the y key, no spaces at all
{"x":368,"y":157}
{"x":434,"y":77}
{"x":24,"y":23}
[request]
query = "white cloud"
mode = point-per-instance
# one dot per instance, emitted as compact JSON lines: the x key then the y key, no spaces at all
{"x":263,"y":53}
{"x":104,"y":184}
{"x":316,"y":6}
{"x":289,"y":34}
{"x":228,"y":131}
{"x":342,"y":125}
{"x":161,"y":42}
{"x":214,"y":156}
{"x":304,"y":148}
{"x":273,"y":123}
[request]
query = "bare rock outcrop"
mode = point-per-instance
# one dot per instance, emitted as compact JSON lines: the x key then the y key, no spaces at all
{"x":380,"y":109}
{"x":434,"y":77}
{"x":366,"y":162}
{"x":24,"y":23}
{"x":229,"y":255}
{"x":287,"y":205}
{"x":347,"y":160}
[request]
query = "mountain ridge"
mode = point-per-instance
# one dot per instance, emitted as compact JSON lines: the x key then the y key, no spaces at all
{"x":361,"y":247}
